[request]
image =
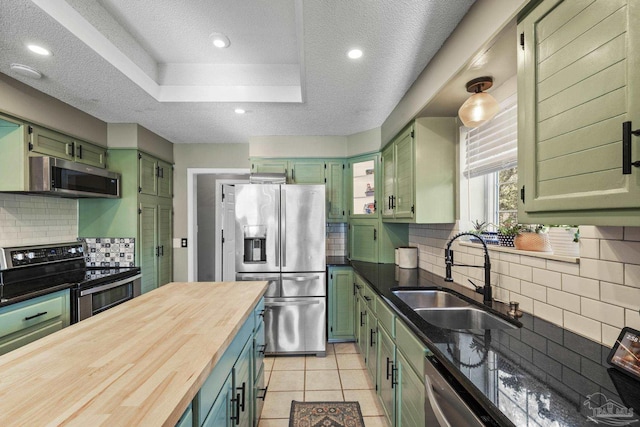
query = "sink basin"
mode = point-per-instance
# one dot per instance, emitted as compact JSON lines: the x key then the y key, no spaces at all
{"x":463,"y":318}
{"x":430,"y":299}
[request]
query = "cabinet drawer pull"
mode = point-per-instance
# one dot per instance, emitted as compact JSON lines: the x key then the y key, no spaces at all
{"x":261,"y":314}
{"x":394,"y":375}
{"x":264,"y":393}
{"x":371,"y":341}
{"x":243,"y":390}
{"x":626,"y":148}
{"x":362,"y":313}
{"x":388,"y":362}
{"x":35,"y":315}
{"x":236,"y":418}
{"x":262,"y":349}
{"x":368,"y":299}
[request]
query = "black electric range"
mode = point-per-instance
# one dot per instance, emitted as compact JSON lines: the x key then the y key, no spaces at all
{"x":30,"y":271}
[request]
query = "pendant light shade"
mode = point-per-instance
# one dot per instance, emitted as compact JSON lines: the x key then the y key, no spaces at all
{"x":480,"y":107}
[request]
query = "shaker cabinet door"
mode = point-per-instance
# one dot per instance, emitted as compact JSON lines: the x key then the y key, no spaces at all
{"x":578,"y":81}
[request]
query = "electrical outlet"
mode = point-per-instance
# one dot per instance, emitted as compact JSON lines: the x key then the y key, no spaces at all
{"x":183,"y":243}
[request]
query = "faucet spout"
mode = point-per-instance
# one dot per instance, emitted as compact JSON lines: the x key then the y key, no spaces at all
{"x":487,"y":294}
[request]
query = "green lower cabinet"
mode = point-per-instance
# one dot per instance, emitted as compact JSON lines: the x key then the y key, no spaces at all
{"x":387,"y":375}
{"x":410,"y":395}
{"x":27,"y":321}
{"x":222,"y":411}
{"x":341,"y":304}
{"x":372,"y":339}
{"x":361,"y":325}
{"x":186,"y":420}
{"x":243,"y":386}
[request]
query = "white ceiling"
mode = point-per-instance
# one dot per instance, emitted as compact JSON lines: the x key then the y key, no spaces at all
{"x":152,"y":62}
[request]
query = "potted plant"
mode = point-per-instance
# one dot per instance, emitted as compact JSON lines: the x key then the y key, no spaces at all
{"x":478,"y":229}
{"x":507,"y":232}
{"x":533,"y":238}
{"x":565,"y":240}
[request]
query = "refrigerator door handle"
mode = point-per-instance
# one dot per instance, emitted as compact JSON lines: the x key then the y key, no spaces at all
{"x":246,"y":278}
{"x":276,"y":193}
{"x":283,"y":224}
{"x":300,"y":278}
{"x":291,"y":302}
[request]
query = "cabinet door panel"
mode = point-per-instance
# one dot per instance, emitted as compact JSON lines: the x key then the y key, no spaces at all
{"x":148,"y":168}
{"x":578,"y":77}
{"x":165,"y":260}
{"x":404,"y":150}
{"x":363,"y":241}
{"x":364,"y":192}
{"x":341,"y":303}
{"x":388,"y":181}
{"x":387,"y":375}
{"x":148,"y":226}
{"x":51,"y":143}
{"x":223,"y":408}
{"x":165,"y":179}
{"x":90,"y":154}
{"x":307,"y":172}
{"x":336,"y":211}
{"x":410,"y":396}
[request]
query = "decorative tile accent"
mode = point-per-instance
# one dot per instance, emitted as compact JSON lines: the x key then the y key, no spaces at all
{"x":110,"y":251}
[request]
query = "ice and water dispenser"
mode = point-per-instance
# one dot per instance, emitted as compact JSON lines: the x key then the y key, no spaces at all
{"x":255,"y":243}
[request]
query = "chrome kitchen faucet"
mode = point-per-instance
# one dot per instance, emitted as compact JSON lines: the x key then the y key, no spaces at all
{"x":448,"y":257}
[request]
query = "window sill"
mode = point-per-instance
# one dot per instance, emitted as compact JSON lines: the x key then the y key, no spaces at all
{"x":543,"y":255}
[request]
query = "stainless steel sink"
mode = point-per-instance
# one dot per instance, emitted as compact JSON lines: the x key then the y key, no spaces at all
{"x":430,"y":299}
{"x":446,"y":310}
{"x":463,"y":318}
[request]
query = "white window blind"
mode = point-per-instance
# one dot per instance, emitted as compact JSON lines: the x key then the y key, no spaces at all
{"x":494,"y":145}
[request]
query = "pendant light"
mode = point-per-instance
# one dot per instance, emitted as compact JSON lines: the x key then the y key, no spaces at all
{"x":480,"y":107}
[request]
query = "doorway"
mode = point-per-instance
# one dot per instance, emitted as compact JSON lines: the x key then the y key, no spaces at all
{"x":205,"y":225}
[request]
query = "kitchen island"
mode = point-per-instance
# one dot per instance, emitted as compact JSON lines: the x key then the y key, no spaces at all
{"x":140,"y":363}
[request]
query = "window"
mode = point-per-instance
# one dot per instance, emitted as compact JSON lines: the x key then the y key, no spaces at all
{"x":490,"y":172}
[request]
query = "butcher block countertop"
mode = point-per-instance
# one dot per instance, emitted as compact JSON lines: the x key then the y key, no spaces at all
{"x":139,"y":363}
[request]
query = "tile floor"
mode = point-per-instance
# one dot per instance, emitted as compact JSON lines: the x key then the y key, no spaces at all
{"x":340,"y":376}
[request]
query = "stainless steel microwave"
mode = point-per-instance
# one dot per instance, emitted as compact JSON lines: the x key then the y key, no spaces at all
{"x":62,"y":178}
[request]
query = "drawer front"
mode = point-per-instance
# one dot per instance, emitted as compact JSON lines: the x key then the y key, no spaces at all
{"x":259,"y":347}
{"x":31,"y":313}
{"x":413,"y":349}
{"x":386,"y":317}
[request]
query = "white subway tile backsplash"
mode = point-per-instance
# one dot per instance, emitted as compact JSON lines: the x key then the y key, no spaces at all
{"x":537,"y":292}
{"x":623,"y":296}
{"x":620,"y":251}
{"x":632,"y":233}
{"x":536,"y":263}
{"x":526,"y":303}
{"x":548,"y":312}
{"x":589,"y":248}
{"x":632,"y":318}
{"x":602,"y":312}
{"x":563,"y":267}
{"x":609,"y":334}
{"x":508,"y":282}
{"x":563,"y":300}
{"x":583,"y":326}
{"x":602,"y":270}
{"x":551,"y":279}
{"x":581,"y":286}
{"x":593,"y":232}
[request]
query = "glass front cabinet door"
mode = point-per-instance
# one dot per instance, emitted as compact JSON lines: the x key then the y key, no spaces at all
{"x":363,"y":186}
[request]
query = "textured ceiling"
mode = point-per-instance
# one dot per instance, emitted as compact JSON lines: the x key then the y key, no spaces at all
{"x":115,"y":59}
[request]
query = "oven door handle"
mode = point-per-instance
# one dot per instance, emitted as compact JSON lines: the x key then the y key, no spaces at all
{"x":108,"y":286}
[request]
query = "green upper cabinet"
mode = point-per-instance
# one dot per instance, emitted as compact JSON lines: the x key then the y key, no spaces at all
{"x":90,"y":154}
{"x":334,"y":172}
{"x":341,"y":304}
{"x":50,"y":143}
{"x":270,"y":166}
{"x":14,"y":143}
{"x":364,"y":186}
{"x":363,"y":236}
{"x":307,"y":171}
{"x":578,"y":82}
{"x":418,"y":173}
{"x":164,"y":176}
{"x":147,"y":170}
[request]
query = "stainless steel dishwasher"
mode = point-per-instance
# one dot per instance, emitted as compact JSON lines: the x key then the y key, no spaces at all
{"x":443,"y":406}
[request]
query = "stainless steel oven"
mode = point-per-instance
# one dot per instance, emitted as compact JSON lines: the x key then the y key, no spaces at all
{"x":91,"y":300}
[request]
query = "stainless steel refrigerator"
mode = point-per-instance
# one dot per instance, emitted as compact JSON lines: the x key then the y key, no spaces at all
{"x":280,"y":238}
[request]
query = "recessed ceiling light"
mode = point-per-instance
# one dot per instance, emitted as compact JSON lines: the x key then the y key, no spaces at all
{"x":39,"y":50}
{"x":220,"y":40}
{"x":239,"y":111}
{"x":354,"y":53}
{"x":26,"y":71}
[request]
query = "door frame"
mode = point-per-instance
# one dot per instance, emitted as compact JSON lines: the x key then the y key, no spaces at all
{"x":192,"y":212}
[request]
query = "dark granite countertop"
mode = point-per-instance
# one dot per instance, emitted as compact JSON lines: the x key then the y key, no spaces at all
{"x":338,"y":261}
{"x":536,"y":375}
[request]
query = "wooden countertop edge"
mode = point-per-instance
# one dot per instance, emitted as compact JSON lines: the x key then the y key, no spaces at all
{"x":147,"y":401}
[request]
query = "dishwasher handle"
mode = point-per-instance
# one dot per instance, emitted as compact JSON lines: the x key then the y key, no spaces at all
{"x":437,"y":410}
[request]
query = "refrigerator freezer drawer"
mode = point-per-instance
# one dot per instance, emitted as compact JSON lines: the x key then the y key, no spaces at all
{"x":295,"y":325}
{"x":303,"y":284}
{"x":274,"y":281}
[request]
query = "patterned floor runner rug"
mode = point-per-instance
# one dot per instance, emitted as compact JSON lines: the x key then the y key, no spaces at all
{"x":325,"y":414}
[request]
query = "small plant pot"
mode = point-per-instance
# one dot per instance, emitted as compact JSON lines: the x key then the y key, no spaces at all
{"x":505,"y":240}
{"x":536,"y":242}
{"x":490,"y":238}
